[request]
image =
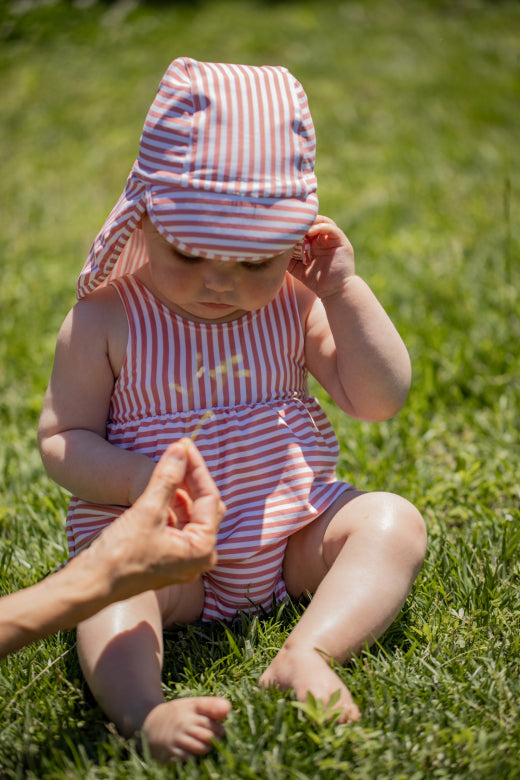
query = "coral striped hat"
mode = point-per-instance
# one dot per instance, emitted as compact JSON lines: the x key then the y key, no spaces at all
{"x":225,"y":170}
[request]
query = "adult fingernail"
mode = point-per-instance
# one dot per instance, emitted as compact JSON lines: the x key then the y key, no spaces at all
{"x":176,"y":452}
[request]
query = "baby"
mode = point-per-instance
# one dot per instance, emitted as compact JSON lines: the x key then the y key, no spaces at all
{"x":212,"y":290}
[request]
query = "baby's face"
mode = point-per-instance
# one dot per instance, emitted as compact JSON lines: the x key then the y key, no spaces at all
{"x":210,"y":290}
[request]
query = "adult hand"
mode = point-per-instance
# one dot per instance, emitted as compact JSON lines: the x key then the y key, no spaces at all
{"x":169,"y":535}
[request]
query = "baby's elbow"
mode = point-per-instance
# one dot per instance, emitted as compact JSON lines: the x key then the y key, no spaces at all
{"x":394,"y":393}
{"x":377,"y":415}
{"x":379,"y":408}
{"x":396,"y":403}
{"x":47,"y":444}
{"x":47,"y":455}
{"x":43,"y":441}
{"x":384,"y":413}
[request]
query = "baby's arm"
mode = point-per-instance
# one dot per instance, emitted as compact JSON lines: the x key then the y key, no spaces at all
{"x":352,"y":347}
{"x":72,"y":430}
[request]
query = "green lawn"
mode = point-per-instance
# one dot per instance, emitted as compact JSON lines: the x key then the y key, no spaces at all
{"x":417,"y":111}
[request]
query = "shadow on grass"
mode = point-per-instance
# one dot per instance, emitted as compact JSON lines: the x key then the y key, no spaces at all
{"x":202,"y":659}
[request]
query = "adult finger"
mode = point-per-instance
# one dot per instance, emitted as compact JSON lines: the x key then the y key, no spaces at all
{"x":208,"y":508}
{"x":168,"y":474}
{"x":198,"y":480}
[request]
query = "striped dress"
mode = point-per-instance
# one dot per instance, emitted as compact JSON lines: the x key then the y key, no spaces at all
{"x":240,"y":387}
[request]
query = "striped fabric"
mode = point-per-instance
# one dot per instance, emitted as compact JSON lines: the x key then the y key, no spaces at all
{"x":240,"y":388}
{"x":225,"y":170}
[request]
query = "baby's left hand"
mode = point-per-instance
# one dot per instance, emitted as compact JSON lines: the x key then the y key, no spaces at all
{"x":327,"y":259}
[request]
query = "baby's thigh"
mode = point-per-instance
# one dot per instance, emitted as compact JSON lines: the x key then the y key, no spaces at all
{"x":305,"y":561}
{"x":181,"y":603}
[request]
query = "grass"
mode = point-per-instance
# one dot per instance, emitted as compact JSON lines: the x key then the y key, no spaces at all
{"x":417,"y":114}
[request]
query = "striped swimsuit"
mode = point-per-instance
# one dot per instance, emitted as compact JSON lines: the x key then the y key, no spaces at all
{"x":241,"y":388}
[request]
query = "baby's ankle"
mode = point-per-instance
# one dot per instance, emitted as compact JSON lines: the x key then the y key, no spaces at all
{"x":134,"y":721}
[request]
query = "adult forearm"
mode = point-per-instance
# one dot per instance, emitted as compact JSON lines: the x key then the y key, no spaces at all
{"x":95,"y":470}
{"x":59,"y":602}
{"x":372,"y":361}
{"x":153,"y":544}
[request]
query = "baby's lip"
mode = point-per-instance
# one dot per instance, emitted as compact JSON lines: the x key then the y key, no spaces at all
{"x":213,"y":305}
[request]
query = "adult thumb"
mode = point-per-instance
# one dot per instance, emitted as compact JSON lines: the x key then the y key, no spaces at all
{"x":168,"y":474}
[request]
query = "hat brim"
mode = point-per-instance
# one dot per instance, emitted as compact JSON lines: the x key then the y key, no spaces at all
{"x":226,"y":227}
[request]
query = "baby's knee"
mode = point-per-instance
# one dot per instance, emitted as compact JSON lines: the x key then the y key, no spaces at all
{"x":408,"y":530}
{"x":391,"y":524}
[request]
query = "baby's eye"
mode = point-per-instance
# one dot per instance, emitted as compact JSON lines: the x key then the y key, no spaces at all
{"x":254,"y":266}
{"x":188,"y":259}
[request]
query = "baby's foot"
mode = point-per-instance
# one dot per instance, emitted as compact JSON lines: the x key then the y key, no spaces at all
{"x":182,"y":728}
{"x":307,"y":671}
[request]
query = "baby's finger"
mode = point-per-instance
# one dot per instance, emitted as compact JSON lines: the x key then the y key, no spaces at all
{"x":319,"y":224}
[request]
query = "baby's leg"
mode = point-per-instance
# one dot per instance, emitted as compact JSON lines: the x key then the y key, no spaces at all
{"x":121,"y":653}
{"x":359,"y":559}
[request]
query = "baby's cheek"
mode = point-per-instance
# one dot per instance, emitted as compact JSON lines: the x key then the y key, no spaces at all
{"x":270,"y":287}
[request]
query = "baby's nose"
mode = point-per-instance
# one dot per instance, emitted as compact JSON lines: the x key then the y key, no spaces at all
{"x":219,"y":276}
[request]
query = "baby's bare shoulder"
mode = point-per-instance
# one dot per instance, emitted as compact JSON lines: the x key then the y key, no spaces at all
{"x":101,"y":305}
{"x":96,"y":324}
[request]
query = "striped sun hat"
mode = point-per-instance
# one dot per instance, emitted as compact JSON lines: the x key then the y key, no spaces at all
{"x":225,"y":170}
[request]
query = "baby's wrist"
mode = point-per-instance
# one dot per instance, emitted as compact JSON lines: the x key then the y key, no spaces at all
{"x":339,"y":292}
